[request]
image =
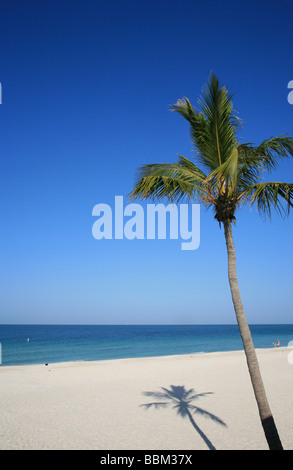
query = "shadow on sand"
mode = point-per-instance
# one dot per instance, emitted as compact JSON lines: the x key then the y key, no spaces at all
{"x":182,"y":401}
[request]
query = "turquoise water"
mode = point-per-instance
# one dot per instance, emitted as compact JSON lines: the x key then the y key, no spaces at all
{"x":62,"y":343}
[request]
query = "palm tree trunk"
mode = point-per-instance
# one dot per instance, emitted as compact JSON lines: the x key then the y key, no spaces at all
{"x":265,"y":414}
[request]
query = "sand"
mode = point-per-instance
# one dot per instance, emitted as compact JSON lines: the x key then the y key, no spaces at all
{"x":100,"y":405}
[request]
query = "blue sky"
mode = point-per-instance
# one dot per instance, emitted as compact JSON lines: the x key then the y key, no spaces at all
{"x":86,"y":94}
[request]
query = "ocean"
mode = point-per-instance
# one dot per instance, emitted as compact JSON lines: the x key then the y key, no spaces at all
{"x":36,"y":344}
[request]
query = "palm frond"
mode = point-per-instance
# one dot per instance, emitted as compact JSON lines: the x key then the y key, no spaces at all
{"x":232,"y":172}
{"x":247,"y":163}
{"x":250,"y":166}
{"x":264,"y":157}
{"x":222,"y":123}
{"x":274,"y":149}
{"x":214,"y":129}
{"x":199,"y":132}
{"x":224,"y":177}
{"x":175,"y":181}
{"x":272,"y":194}
{"x":216,"y":104}
{"x":188,"y":165}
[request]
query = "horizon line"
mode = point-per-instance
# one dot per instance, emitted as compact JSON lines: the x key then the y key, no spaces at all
{"x":136,"y":324}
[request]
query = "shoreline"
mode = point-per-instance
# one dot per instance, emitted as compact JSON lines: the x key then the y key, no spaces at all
{"x":117,"y":404}
{"x":85,"y":361}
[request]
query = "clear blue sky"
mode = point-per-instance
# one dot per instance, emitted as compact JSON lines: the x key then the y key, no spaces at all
{"x":86,"y":91}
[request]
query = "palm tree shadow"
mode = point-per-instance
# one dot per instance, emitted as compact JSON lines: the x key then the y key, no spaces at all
{"x":182,"y":401}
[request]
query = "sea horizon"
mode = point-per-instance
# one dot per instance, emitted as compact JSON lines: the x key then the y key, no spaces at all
{"x":140,"y":324}
{"x":50,"y":343}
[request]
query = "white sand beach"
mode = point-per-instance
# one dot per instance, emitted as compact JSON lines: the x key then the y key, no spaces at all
{"x":98,"y":405}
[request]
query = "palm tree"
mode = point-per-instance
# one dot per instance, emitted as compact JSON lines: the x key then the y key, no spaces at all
{"x":229,"y":173}
{"x":182,"y":401}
